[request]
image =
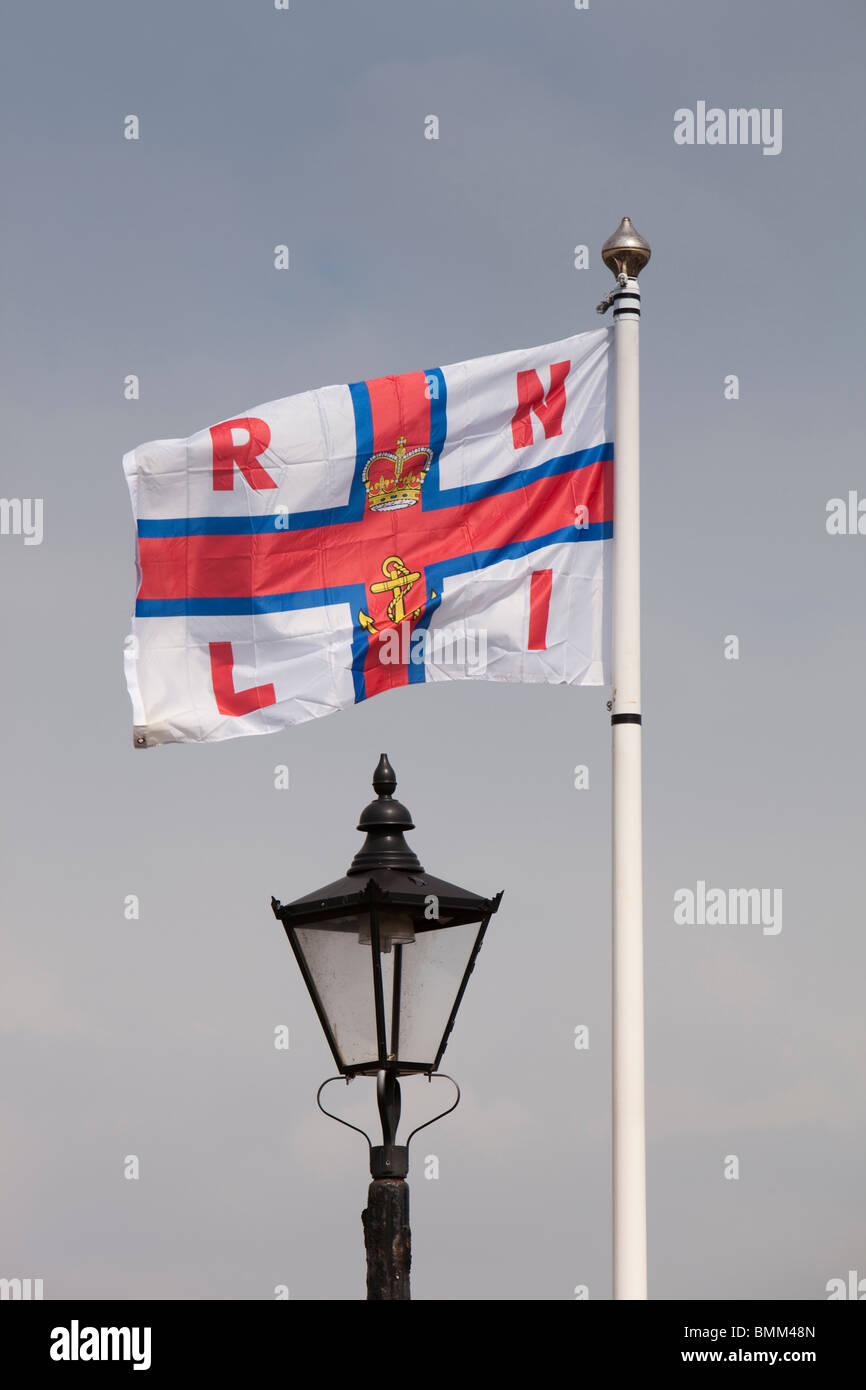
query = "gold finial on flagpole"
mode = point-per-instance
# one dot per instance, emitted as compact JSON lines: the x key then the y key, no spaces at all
{"x":626,"y":252}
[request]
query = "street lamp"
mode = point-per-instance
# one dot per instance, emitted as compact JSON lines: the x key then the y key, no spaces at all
{"x":386,"y":953}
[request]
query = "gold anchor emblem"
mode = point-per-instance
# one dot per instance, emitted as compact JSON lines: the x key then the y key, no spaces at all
{"x":398,"y":581}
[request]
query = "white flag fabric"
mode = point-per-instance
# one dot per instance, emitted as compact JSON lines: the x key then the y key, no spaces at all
{"x":447,"y":524}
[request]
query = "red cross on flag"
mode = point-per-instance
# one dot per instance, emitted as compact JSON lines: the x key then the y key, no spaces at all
{"x":448,"y":524}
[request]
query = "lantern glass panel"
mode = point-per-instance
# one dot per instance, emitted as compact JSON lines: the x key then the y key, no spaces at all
{"x":342,"y":971}
{"x":432,"y":970}
{"x":422,"y":971}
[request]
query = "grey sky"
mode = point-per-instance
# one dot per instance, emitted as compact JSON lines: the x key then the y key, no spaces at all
{"x":155,"y":257}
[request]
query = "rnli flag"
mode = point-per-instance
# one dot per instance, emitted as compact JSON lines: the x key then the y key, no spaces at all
{"x":448,"y":524}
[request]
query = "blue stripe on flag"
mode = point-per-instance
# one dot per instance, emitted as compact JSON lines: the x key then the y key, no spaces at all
{"x":213,"y":526}
{"x":437,"y":498}
{"x":432,"y":497}
{"x":516,"y":550}
{"x":249,"y":606}
{"x":438,"y":429}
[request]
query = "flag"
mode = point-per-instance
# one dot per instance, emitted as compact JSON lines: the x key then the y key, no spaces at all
{"x":446,"y":524}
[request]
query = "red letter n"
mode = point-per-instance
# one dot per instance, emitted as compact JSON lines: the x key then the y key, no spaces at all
{"x":549,"y":408}
{"x":229,"y":700}
{"x":226,"y":454}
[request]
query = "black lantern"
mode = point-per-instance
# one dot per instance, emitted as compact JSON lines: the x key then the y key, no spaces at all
{"x":386,"y":952}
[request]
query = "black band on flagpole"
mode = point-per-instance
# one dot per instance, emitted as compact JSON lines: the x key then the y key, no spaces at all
{"x":631,"y":307}
{"x":626,"y":719}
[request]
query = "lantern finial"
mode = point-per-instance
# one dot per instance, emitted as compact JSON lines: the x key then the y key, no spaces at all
{"x":384,"y":778}
{"x":385,"y":821}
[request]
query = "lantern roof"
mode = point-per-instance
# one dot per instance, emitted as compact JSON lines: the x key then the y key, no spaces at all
{"x":386,"y":869}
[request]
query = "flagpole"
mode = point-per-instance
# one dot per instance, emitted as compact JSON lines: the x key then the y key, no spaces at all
{"x":625,"y":254}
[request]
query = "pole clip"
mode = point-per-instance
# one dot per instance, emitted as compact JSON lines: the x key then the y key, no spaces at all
{"x":622,"y":281}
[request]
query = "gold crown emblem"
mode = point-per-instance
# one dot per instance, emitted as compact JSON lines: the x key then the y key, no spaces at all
{"x":393,"y":480}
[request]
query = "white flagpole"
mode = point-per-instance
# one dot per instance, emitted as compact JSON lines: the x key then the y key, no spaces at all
{"x":625,"y":254}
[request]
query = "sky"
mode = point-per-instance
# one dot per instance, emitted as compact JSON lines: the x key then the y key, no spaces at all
{"x":153,"y":1037}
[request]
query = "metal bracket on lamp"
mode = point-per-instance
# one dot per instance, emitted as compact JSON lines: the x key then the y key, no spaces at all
{"x":388,"y":1159}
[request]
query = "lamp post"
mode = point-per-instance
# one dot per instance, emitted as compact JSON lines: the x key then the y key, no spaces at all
{"x":386,"y":953}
